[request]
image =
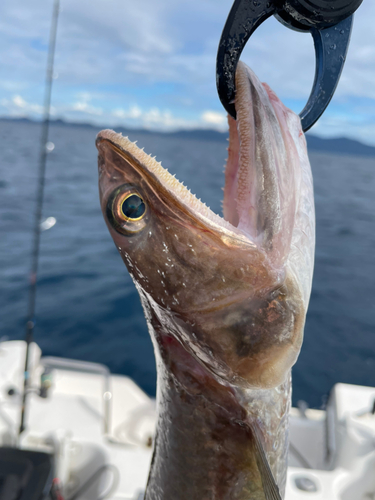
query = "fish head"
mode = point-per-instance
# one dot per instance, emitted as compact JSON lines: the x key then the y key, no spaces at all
{"x":228,"y":291}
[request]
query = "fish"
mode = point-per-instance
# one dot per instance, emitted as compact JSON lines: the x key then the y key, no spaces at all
{"x":225,"y":298}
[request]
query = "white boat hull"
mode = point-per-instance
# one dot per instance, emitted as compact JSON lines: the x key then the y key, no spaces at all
{"x":99,"y":427}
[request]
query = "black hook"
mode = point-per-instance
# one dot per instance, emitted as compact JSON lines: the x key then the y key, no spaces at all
{"x":329,"y":22}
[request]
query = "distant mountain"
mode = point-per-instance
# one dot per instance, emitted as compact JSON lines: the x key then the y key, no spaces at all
{"x":339,"y":145}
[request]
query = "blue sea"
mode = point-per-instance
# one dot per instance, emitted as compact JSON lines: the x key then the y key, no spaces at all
{"x":87,"y":306}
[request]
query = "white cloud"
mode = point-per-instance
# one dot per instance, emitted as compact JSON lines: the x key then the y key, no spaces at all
{"x":83,"y":105}
{"x":215,"y":118}
{"x":133,"y":113}
{"x":162,"y":56}
{"x":117,"y":41}
{"x":86,"y":108}
{"x":18,"y":107}
{"x":159,"y":119}
{"x":152,"y":119}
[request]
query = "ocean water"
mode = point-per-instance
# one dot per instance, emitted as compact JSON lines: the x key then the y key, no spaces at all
{"x":87,"y":306}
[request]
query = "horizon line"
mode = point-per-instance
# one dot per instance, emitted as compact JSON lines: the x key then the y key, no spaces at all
{"x":171,"y":132}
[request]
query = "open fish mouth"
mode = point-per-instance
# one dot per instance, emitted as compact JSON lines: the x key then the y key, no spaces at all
{"x":261,"y":175}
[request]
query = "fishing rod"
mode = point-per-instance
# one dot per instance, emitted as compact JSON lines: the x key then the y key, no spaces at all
{"x":30,"y":324}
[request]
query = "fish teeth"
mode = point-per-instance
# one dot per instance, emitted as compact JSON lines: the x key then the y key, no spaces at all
{"x":181,"y":191}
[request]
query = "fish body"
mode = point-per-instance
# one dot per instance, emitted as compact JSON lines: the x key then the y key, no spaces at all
{"x":225,"y":298}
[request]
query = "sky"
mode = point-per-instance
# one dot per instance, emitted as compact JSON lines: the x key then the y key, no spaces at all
{"x":151,"y":64}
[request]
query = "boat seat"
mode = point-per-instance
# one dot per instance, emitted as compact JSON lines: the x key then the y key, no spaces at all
{"x":25,"y":475}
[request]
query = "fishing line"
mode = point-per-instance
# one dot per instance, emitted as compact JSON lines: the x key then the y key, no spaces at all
{"x":39,"y":205}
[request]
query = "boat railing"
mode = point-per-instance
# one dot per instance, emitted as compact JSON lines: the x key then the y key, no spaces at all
{"x":50,"y":363}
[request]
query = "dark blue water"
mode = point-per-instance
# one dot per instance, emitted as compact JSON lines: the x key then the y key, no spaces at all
{"x":87,"y":307}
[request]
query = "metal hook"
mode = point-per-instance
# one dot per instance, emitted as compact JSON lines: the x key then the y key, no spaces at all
{"x":331,"y":37}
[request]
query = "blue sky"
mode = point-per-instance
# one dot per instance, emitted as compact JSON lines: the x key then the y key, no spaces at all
{"x":148,"y":63}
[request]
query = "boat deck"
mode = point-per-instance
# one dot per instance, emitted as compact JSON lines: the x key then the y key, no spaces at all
{"x":100,"y":428}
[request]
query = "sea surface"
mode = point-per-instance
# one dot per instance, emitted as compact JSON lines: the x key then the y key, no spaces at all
{"x":87,"y":306}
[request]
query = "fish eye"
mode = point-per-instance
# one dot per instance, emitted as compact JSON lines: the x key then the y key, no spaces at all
{"x":127,"y":210}
{"x":133,"y":207}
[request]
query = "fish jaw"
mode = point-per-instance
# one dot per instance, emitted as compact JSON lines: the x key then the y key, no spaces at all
{"x":268,"y":192}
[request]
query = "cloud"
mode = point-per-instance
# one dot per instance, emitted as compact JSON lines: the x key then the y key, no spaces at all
{"x":83,"y":105}
{"x":161,"y":55}
{"x":18,"y":107}
{"x":214,"y":118}
{"x":158,"y":119}
{"x":135,"y":117}
{"x":133,"y":113}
